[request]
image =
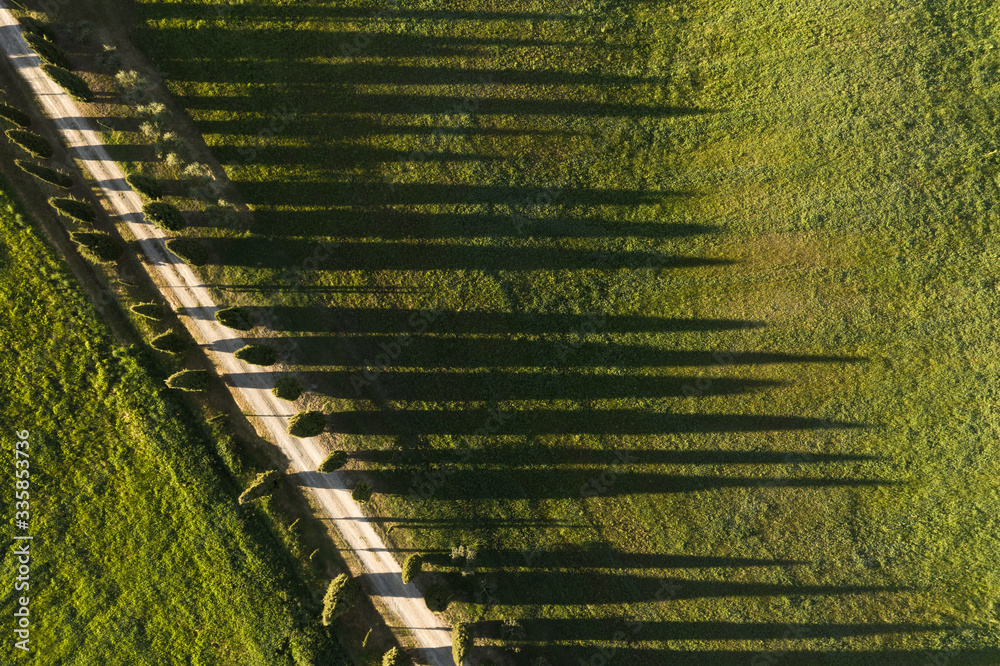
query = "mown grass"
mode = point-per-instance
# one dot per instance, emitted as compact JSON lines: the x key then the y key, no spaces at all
{"x":139,"y":555}
{"x":778,"y":440}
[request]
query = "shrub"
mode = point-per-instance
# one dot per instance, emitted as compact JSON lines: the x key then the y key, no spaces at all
{"x":148,"y":310}
{"x":257,"y":355}
{"x":99,"y":244}
{"x":189,"y":380}
{"x":236,"y":318}
{"x":134,"y":84}
{"x":340,"y":596}
{"x":108,"y":58}
{"x":73,"y":84}
{"x":311,"y":645}
{"x":197,"y":174}
{"x":37,"y":27}
{"x":30,"y":142}
{"x":83,"y":32}
{"x":164,"y":215}
{"x":151,"y":130}
{"x":16,"y":116}
{"x":189,"y":250}
{"x":333,"y":461}
{"x":144,"y":185}
{"x":81,"y":211}
{"x":222,"y":214}
{"x":307,"y":424}
{"x":264,"y":484}
{"x":362,"y":492}
{"x":171,"y":342}
{"x":154,"y":111}
{"x":173,"y":160}
{"x":412,"y":566}
{"x":48,"y":51}
{"x":393,"y":657}
{"x":437,"y":597}
{"x":287,"y":388}
{"x":461,"y":642}
{"x":170,"y":143}
{"x":52,"y":176}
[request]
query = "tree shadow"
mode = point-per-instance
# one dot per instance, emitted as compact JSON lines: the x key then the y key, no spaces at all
{"x":437,"y":353}
{"x":541,"y":630}
{"x":585,"y":588}
{"x":602,"y":555}
{"x":554,"y":456}
{"x":379,"y":73}
{"x":343,"y":193}
{"x":498,"y":386}
{"x":635,"y":656}
{"x":463,"y":484}
{"x":264,"y":13}
{"x":473,"y":322}
{"x":391,"y":224}
{"x":280,"y":252}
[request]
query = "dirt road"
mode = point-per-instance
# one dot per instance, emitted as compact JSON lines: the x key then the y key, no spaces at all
{"x":403,"y":602}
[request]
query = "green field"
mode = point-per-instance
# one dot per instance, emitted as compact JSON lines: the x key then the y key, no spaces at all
{"x":139,"y":555}
{"x":715,"y":359}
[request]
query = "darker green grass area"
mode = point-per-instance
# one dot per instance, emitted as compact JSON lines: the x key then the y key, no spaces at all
{"x":139,"y":554}
{"x":695,"y":287}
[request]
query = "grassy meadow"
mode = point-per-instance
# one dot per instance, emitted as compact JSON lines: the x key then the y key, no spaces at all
{"x":139,"y":555}
{"x":682,"y":313}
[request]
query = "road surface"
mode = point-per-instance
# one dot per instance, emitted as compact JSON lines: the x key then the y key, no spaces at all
{"x":182,"y":288}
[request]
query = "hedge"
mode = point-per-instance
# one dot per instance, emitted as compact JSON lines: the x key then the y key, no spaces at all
{"x":144,"y":185}
{"x":257,"y":355}
{"x":48,"y":51}
{"x":437,"y":597}
{"x":235,"y":318}
{"x":37,"y":27}
{"x":333,"y":461}
{"x":81,"y":211}
{"x":99,"y":244}
{"x":171,"y":342}
{"x":189,"y":250}
{"x":148,"y":310}
{"x":412,"y":566}
{"x":312,"y":645}
{"x":189,"y":380}
{"x":164,"y":215}
{"x":340,"y":596}
{"x":307,"y":424}
{"x":461,"y":643}
{"x":264,"y":484}
{"x":32,"y":143}
{"x":49,"y":175}
{"x":287,"y":388}
{"x":16,"y":116}
{"x":73,"y":84}
{"x":362,"y":492}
